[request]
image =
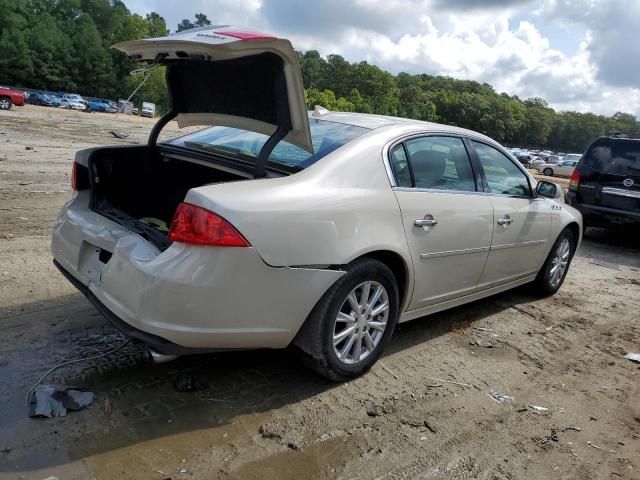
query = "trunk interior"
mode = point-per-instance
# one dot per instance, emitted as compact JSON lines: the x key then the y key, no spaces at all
{"x":141,"y":190}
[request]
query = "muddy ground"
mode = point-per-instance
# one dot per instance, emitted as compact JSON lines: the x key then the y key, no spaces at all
{"x":424,"y":411}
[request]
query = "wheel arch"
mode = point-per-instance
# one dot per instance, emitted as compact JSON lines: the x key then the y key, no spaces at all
{"x":398,"y":267}
{"x":574,"y":228}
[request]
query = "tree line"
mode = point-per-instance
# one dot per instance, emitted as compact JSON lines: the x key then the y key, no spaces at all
{"x":64,"y":45}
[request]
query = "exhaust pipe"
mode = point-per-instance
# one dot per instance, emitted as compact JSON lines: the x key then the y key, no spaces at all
{"x":157,"y":357}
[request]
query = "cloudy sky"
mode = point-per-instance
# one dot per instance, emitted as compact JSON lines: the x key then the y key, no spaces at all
{"x":577,"y":54}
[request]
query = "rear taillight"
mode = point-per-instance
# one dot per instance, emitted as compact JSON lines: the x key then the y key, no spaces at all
{"x":199,"y":226}
{"x":79,"y":177}
{"x":74,"y":177}
{"x":575,"y":180}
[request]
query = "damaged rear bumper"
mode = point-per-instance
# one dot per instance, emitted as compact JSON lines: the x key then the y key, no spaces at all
{"x":186,"y":299}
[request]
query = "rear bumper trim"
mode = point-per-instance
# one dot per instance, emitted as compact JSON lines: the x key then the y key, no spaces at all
{"x":161,"y":345}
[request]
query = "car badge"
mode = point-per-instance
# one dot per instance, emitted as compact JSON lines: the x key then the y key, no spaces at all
{"x":628,"y":182}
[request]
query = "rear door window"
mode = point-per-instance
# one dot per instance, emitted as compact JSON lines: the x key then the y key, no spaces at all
{"x":615,"y":157}
{"x":441,"y":163}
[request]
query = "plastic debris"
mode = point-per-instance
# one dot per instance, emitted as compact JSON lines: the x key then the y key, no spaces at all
{"x":55,"y":400}
{"x":539,"y":409}
{"x":500,"y":398}
{"x":634,"y":357}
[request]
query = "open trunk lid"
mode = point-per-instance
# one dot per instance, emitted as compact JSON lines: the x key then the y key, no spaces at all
{"x":231,"y":76}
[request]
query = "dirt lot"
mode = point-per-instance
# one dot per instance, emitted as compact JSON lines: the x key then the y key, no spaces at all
{"x":424,"y":412}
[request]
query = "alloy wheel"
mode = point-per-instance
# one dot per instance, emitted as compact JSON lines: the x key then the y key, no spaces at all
{"x":4,"y":104}
{"x":559,"y":263}
{"x":361,"y":322}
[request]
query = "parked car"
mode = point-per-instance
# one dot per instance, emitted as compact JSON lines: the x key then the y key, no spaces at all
{"x":605,"y":185}
{"x":323,"y":235}
{"x":535,"y":161}
{"x":74,"y":98}
{"x":10,"y":97}
{"x":72,"y":104}
{"x":39,"y":99}
{"x":148,"y":109}
{"x":564,"y":168}
{"x":100,"y":106}
{"x":571,"y":156}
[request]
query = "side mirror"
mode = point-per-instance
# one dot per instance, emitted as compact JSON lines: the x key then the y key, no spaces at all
{"x":547,"y":189}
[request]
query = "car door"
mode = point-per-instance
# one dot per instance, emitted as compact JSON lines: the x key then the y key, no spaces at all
{"x":522,"y":222}
{"x":447,"y":222}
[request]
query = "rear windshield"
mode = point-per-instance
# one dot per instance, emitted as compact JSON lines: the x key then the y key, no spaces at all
{"x":617,"y":157}
{"x":325,"y":136}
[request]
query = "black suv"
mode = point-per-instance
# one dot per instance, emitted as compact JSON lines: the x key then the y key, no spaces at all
{"x":605,"y":185}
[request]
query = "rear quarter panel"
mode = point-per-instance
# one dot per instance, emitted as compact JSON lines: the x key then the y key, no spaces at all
{"x":329,"y":214}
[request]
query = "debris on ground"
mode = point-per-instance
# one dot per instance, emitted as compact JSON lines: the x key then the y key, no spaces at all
{"x":388,"y":370}
{"x":119,"y":134}
{"x":373,"y":410}
{"x":482,"y":343}
{"x":634,"y":357}
{"x":599,"y":448}
{"x":571,"y":429}
{"x":498,"y":397}
{"x":539,"y":409}
{"x":55,"y":400}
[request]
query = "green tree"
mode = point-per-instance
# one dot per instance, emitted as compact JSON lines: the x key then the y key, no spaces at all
{"x":157,"y":25}
{"x":185,"y":24}
{"x":201,"y":20}
{"x":93,"y":68}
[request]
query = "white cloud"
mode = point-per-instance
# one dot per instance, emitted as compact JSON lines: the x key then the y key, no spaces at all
{"x":490,"y":41}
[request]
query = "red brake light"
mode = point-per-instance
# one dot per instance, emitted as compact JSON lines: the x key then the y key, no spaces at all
{"x":199,"y":226}
{"x":575,"y":180}
{"x":74,"y":177}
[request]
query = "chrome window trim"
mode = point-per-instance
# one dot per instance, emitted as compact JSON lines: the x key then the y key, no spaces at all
{"x":621,"y":192}
{"x":462,"y":192}
{"x":386,"y":150}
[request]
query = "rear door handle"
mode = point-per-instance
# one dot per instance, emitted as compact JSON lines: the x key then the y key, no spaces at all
{"x":427,"y":221}
{"x":506,"y":220}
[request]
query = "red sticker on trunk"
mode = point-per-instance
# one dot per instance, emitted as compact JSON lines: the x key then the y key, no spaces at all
{"x":246,"y":35}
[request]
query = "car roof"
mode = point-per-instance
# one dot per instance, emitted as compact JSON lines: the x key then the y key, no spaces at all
{"x":371,"y":121}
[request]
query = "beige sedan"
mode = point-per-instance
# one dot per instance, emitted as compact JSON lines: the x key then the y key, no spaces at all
{"x":276,"y":226}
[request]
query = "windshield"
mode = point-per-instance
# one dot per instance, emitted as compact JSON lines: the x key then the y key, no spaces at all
{"x":326,"y":137}
{"x":617,"y":157}
{"x":572,"y":156}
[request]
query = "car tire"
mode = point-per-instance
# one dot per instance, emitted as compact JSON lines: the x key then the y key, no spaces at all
{"x":552,"y":274}
{"x":5,"y":103}
{"x":323,"y":341}
{"x":548,"y":172}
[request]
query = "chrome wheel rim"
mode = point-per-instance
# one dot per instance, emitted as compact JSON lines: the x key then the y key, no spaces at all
{"x":4,"y":103}
{"x":559,"y":263}
{"x":361,"y":322}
